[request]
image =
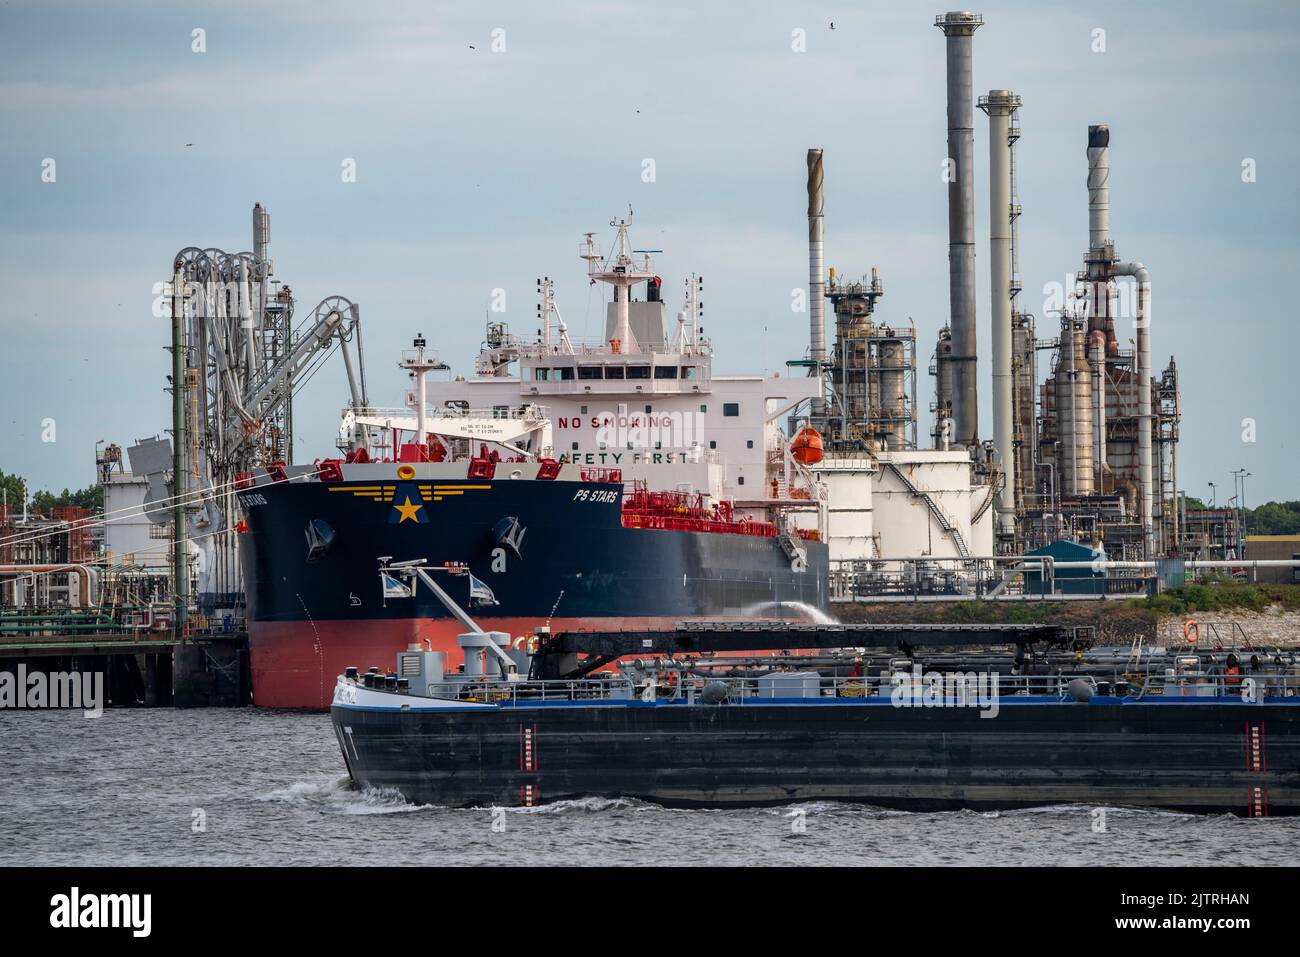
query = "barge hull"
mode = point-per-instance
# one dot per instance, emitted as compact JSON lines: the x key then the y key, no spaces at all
{"x":1179,"y":755}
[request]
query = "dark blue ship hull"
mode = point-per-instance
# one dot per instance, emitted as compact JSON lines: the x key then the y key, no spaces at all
{"x":310,"y":559}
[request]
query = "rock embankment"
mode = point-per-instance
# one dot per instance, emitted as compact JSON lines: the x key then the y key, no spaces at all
{"x":1115,"y":621}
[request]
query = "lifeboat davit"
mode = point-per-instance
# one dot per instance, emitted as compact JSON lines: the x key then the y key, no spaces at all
{"x":807,"y":446}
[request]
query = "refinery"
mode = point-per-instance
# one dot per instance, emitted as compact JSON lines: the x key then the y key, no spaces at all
{"x":549,"y":535}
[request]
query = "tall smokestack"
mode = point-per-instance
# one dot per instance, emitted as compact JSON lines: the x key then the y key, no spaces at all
{"x":1000,"y":105}
{"x":959,"y":28}
{"x":1098,"y":186}
{"x":1101,"y":252}
{"x":816,"y":266}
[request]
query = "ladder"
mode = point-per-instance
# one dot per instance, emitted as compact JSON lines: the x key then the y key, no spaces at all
{"x":940,"y":516}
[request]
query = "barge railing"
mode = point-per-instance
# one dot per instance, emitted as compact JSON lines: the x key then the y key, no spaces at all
{"x":689,"y":686}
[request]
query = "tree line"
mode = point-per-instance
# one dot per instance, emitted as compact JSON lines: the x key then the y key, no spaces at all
{"x":1271,"y":518}
{"x":11,"y":488}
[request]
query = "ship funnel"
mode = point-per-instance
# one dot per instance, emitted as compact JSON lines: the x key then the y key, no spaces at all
{"x":959,"y":29}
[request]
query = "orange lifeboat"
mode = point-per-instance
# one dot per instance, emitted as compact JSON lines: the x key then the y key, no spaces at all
{"x":807,"y":446}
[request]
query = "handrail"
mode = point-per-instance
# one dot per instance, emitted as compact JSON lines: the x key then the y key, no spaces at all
{"x":945,"y":522}
{"x":683,"y":681}
{"x":511,"y":412}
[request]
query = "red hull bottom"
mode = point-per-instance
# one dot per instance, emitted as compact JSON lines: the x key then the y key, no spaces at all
{"x":295,"y":663}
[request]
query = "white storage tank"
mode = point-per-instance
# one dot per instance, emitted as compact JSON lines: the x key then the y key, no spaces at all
{"x":849,"y":480}
{"x":923,"y":502}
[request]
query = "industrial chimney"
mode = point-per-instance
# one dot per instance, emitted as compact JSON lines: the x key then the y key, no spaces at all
{"x":1098,"y":186}
{"x":1000,"y":105}
{"x":1102,"y":267}
{"x":1101,"y":252}
{"x":816,"y":266}
{"x":959,"y":28}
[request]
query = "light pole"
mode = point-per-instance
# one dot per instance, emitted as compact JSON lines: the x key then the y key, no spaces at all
{"x":1235,"y":547}
{"x":1214,"y":501}
{"x":1244,"y":476}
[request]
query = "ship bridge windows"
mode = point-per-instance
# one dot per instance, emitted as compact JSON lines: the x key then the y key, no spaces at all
{"x":665,"y":372}
{"x":614,"y":372}
{"x":591,"y":372}
{"x":561,"y":374}
{"x":638,"y":372}
{"x":689,"y":372}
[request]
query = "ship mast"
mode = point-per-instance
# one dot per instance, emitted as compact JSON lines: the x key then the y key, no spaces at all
{"x":621,"y":272}
{"x":548,"y":308}
{"x":419,"y":365}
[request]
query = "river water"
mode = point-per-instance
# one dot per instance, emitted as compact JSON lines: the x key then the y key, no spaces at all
{"x":250,"y":786}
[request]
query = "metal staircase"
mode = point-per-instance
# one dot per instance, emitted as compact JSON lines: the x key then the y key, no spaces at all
{"x":940,"y":516}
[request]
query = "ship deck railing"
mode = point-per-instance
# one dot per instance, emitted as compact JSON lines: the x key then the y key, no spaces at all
{"x":968,"y":686}
{"x":520,"y":411}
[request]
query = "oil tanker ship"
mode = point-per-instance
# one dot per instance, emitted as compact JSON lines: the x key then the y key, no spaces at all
{"x":673,"y":494}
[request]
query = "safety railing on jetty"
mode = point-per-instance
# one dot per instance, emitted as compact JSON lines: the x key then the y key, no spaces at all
{"x":919,"y":578}
{"x":946,"y":688}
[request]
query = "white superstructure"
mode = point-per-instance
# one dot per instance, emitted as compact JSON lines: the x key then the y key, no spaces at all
{"x":643,"y":400}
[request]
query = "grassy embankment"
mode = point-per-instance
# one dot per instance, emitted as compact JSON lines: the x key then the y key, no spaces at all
{"x":1224,"y":596}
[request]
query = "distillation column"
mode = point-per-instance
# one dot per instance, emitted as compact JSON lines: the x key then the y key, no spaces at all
{"x":1000,"y":105}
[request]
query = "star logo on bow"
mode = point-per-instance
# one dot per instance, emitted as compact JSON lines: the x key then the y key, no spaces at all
{"x":408,"y":510}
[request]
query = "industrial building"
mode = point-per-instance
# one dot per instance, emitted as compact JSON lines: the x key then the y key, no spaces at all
{"x":45,"y":558}
{"x":1274,"y":548}
{"x":110,"y":571}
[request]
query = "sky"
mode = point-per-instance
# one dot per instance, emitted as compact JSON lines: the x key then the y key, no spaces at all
{"x":487,"y":138}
